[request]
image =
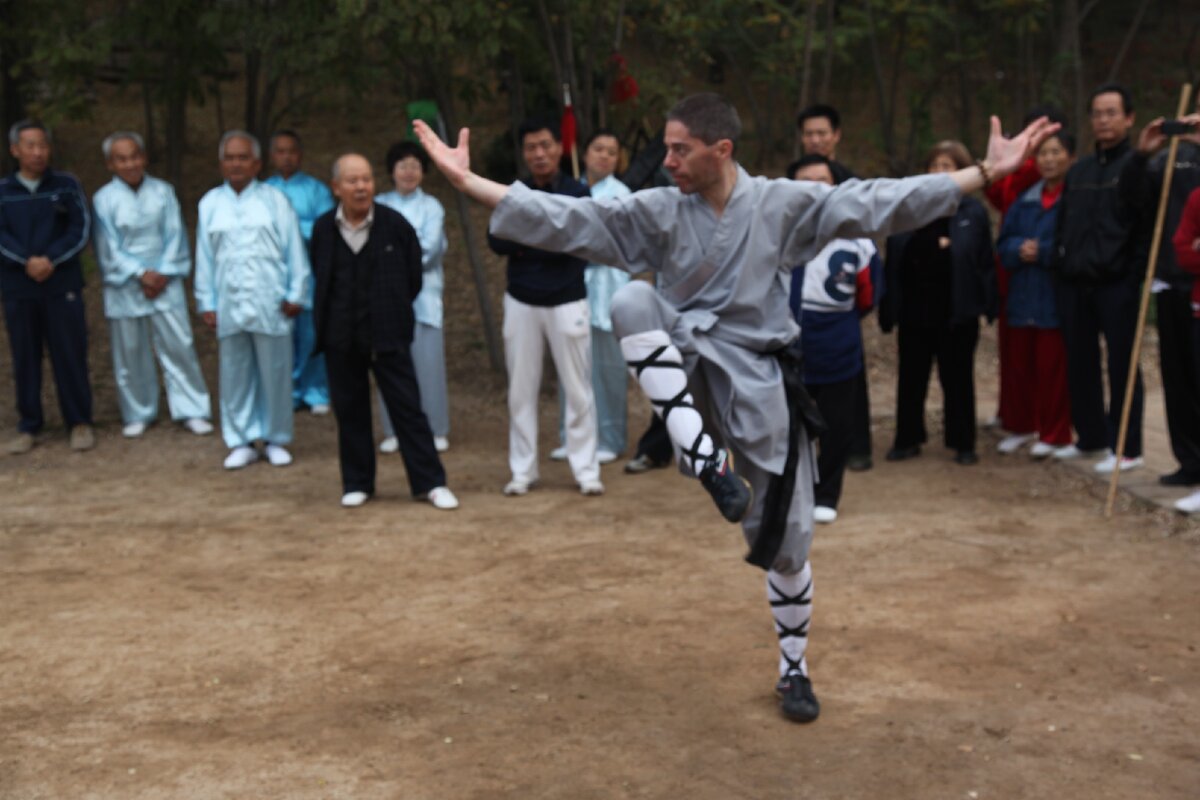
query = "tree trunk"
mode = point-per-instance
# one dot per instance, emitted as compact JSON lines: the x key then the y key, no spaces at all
{"x":827,"y":56}
{"x":810,"y":22}
{"x":495,"y":356}
{"x":148,"y":115}
{"x":1130,"y":35}
{"x":176,"y":140}
{"x":252,"y":69}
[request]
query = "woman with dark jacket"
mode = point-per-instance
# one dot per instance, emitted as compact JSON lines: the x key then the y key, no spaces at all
{"x":1026,"y":247}
{"x":940,"y":280}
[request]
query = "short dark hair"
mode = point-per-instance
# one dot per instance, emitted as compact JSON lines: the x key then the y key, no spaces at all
{"x":289,"y":133}
{"x":596,"y":134}
{"x":808,"y":161}
{"x":1047,"y":110}
{"x":707,"y":116}
{"x":817,"y":111}
{"x":1113,"y":88}
{"x":1066,"y":139}
{"x":402,"y":150}
{"x":538,"y":123}
{"x":21,"y":125}
{"x":957,"y":151}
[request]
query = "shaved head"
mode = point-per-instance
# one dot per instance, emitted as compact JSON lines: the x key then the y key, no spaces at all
{"x":345,"y":161}
{"x":354,"y":185}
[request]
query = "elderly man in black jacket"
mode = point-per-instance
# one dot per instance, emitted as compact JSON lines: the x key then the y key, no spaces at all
{"x":1099,"y":265}
{"x":366,"y":263}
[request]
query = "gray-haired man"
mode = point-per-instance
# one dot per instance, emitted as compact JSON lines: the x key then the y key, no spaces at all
{"x":142,"y":247}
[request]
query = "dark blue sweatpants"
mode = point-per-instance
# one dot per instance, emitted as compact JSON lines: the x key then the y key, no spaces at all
{"x":56,"y":322}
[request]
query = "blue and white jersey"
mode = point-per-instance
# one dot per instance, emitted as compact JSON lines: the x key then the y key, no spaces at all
{"x":827,"y":296}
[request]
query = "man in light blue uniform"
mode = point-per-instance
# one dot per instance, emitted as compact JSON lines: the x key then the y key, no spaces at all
{"x":252,"y":280}
{"x":310,"y":198}
{"x":142,"y":248}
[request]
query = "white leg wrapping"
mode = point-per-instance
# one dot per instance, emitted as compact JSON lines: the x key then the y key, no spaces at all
{"x":791,"y":606}
{"x":657,"y":366}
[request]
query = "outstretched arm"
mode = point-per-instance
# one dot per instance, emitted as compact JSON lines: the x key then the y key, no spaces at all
{"x":455,"y":164}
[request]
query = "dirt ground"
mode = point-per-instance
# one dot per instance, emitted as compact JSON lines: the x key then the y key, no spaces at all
{"x":170,"y":630}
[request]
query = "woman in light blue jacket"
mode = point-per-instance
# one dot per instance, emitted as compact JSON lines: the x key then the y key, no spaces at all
{"x":609,"y":370}
{"x":406,"y":163}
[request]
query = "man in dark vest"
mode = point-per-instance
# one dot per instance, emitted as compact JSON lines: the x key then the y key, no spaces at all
{"x":367,"y":267}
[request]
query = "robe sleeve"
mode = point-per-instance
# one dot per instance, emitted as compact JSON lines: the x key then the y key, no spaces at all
{"x":432,"y":234}
{"x":117,"y":267}
{"x":814,"y":214}
{"x":623,"y":232}
{"x":205,"y":281}
{"x":175,"y":260}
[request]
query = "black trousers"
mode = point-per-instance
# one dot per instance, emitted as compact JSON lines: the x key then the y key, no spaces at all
{"x":836,"y":404}
{"x":1178,"y":360}
{"x":860,"y":442}
{"x":350,"y":393}
{"x":1087,"y":313}
{"x":953,"y":347}
{"x":56,"y":323}
{"x":656,"y":442}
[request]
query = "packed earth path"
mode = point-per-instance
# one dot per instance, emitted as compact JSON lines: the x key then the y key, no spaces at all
{"x":173,"y":630}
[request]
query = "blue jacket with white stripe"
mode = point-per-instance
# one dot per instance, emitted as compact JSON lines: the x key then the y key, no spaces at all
{"x":52,"y":221}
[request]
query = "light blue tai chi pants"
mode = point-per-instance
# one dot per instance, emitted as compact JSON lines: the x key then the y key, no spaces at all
{"x":609,"y":376}
{"x":429,"y":360}
{"x":256,"y":388}
{"x":310,"y":386}
{"x":135,"y":342}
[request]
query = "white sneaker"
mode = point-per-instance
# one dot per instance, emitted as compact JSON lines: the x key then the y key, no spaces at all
{"x":1042,"y":449}
{"x":278,"y":455}
{"x":354,"y":499}
{"x":1071,"y":451}
{"x":591,"y":488}
{"x":198,"y":426}
{"x":824,"y":514}
{"x":558,"y":454}
{"x":389,"y":445}
{"x":442,"y":498}
{"x":241,"y":456}
{"x":992,"y":423}
{"x":605,"y":456}
{"x":1014,"y":442}
{"x":133,"y":430}
{"x":516,"y":488}
{"x":1106,"y":466}
{"x":1189,"y":504}
{"x":441,"y":444}
{"x":319,"y":410}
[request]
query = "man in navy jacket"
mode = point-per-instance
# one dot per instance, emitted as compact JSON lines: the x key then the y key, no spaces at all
{"x":44,"y":225}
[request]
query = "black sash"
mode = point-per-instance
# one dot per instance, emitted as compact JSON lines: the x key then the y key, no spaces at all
{"x":802,"y":411}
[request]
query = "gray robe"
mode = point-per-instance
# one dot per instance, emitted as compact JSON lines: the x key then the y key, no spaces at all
{"x":728,"y":278}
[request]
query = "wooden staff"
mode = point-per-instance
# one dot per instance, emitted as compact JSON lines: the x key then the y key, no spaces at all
{"x":1184,"y":95}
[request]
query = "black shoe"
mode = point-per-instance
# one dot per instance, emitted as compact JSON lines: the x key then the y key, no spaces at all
{"x":966,"y":458}
{"x":729,"y":490}
{"x":1180,"y":477}
{"x":903,"y":453}
{"x":859,"y":463}
{"x":796,"y":698}
{"x":644,"y":463}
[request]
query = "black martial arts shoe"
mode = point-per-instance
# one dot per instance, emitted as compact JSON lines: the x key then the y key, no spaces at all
{"x":903,"y":453}
{"x":730,"y":491}
{"x":966,"y":458}
{"x":796,"y":698}
{"x":1180,"y":477}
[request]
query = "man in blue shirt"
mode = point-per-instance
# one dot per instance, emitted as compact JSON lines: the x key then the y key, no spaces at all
{"x":44,"y":225}
{"x":310,"y":198}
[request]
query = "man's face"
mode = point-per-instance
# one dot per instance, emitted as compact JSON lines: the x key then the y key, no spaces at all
{"x":354,"y":185}
{"x":32,"y":152}
{"x":818,"y":137}
{"x":542,"y":153}
{"x":814,"y":172}
{"x":127,"y":161}
{"x":408,"y":174}
{"x":692,"y":164}
{"x":1110,"y":123}
{"x":238,"y":165}
{"x":285,"y":155}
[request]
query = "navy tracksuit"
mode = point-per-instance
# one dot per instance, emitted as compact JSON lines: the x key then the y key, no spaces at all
{"x":51,"y":221}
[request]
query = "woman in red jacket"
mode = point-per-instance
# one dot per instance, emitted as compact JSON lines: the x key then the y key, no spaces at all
{"x":1187,"y":256}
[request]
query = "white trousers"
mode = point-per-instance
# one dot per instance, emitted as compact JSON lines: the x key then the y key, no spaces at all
{"x":135,"y":342}
{"x":567,"y":331}
{"x":256,"y":388}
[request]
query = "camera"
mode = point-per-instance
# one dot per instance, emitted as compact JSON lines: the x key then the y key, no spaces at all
{"x":1177,"y":127}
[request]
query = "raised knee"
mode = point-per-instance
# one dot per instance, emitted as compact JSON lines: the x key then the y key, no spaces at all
{"x":634,"y":308}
